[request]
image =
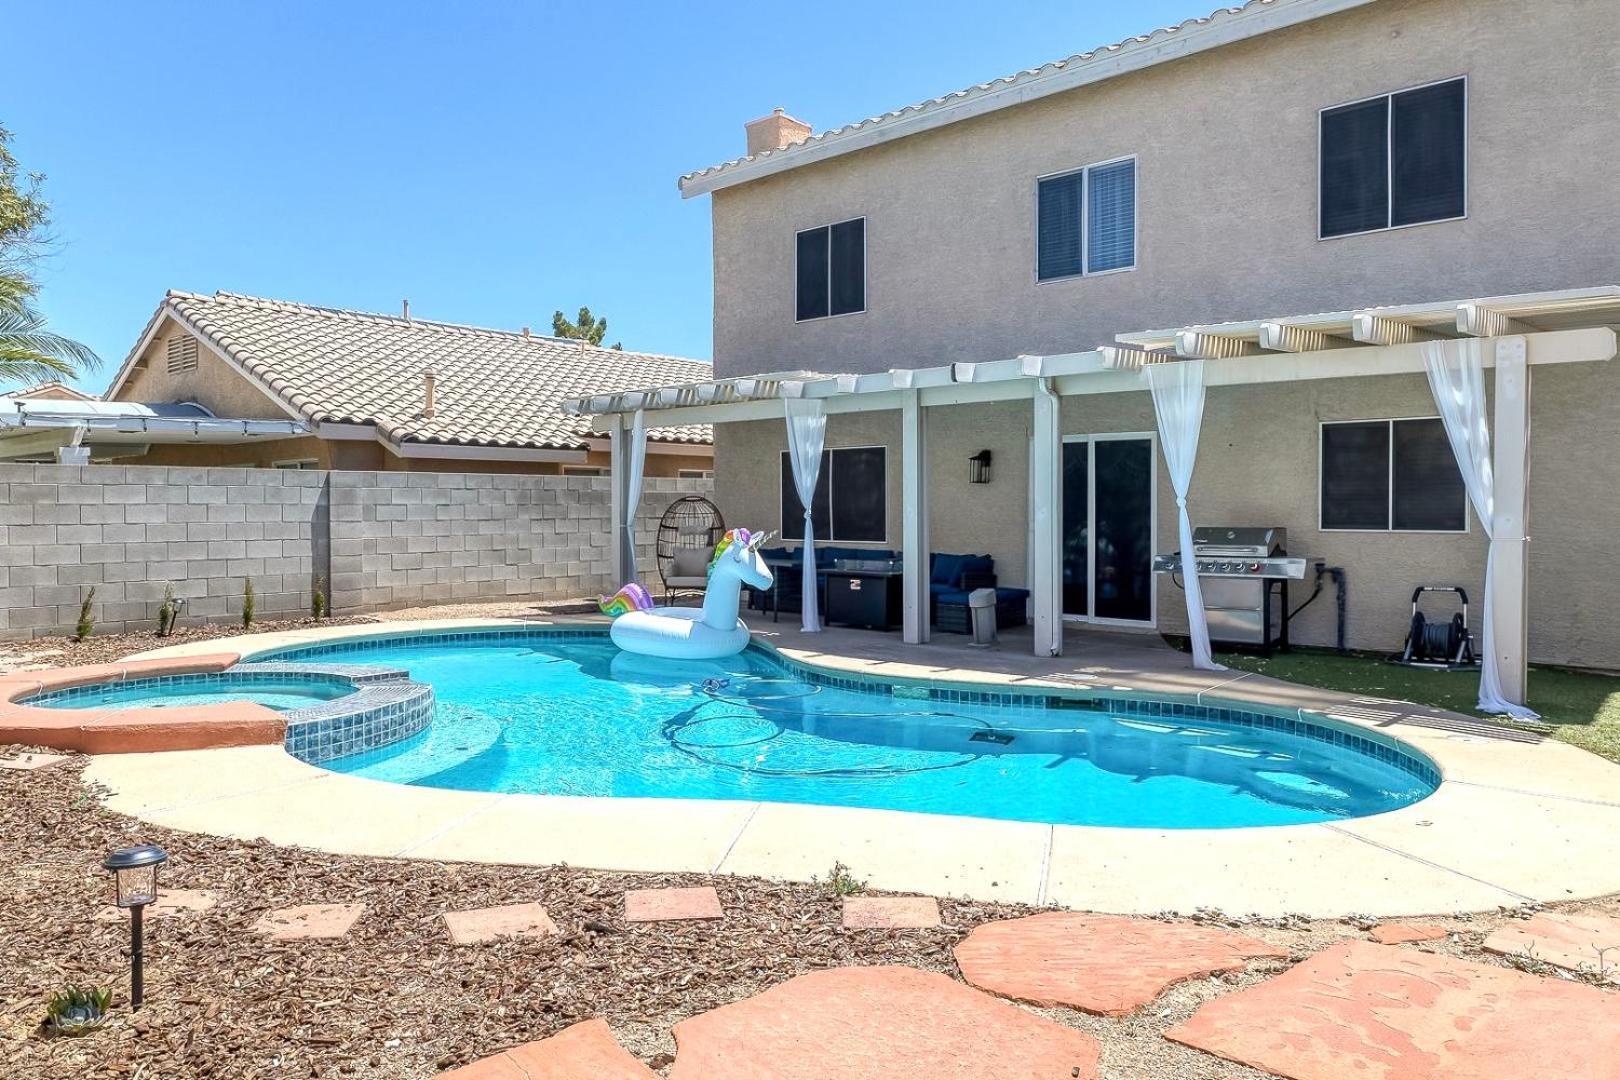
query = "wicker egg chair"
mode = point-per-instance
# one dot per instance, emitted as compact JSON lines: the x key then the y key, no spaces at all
{"x":687,"y":534}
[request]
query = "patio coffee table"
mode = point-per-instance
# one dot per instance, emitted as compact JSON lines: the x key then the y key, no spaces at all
{"x":864,"y":593}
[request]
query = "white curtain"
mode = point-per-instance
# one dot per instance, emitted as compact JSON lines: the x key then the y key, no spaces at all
{"x":637,"y":461}
{"x":807,"y":434}
{"x":1457,"y":378}
{"x":1178,"y":402}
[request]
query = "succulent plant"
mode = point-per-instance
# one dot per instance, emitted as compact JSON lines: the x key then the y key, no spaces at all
{"x":77,"y":1010}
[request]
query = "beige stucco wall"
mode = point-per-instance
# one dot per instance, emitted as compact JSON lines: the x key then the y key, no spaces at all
{"x":1226,"y":146}
{"x":1257,"y":465}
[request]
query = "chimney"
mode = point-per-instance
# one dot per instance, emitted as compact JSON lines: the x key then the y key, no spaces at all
{"x":429,"y":397}
{"x":525,"y":331}
{"x":405,"y":310}
{"x":774,"y":132}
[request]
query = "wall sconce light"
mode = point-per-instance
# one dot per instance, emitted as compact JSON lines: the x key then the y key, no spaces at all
{"x":135,"y":884}
{"x":979,"y":468}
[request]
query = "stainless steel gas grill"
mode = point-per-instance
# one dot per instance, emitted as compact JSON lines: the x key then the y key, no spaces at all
{"x":1244,"y":574}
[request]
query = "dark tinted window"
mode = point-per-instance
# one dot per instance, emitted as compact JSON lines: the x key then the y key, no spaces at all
{"x":793,"y":509}
{"x":813,"y":284}
{"x":1058,"y":230}
{"x":1355,"y":168}
{"x":1429,"y":493}
{"x":849,"y":267}
{"x":851,"y":501}
{"x":1426,"y":141}
{"x":1355,"y":475}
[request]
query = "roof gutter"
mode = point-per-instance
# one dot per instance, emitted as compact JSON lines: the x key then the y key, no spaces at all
{"x":39,"y":419}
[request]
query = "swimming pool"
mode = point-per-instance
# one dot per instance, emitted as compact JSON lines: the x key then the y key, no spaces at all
{"x":566,"y":713}
{"x":280,"y":691}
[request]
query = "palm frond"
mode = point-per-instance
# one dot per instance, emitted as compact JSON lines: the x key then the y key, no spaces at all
{"x":29,"y":352}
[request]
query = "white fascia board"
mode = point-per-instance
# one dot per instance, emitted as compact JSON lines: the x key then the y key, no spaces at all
{"x":603,"y":445}
{"x":463,"y":452}
{"x":1223,"y":28}
{"x":336,"y":432}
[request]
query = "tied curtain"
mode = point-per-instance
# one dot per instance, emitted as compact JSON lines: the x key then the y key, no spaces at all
{"x":1178,"y":402}
{"x":637,"y":460}
{"x":1456,"y":372}
{"x":807,"y":435}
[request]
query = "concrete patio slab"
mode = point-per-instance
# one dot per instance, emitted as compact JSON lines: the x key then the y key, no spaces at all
{"x":877,"y":1023}
{"x":480,"y":925}
{"x":890,"y":912}
{"x":1103,"y":964}
{"x":309,"y":921}
{"x":585,"y":1051}
{"x":170,"y":903}
{"x":1584,"y":943}
{"x":1363,"y":1010}
{"x":672,"y":905}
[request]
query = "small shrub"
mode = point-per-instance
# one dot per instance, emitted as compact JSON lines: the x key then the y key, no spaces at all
{"x":247,"y":603}
{"x":840,"y":882}
{"x":87,"y":616}
{"x":76,"y":1010}
{"x":317,"y":599}
{"x":166,"y":612}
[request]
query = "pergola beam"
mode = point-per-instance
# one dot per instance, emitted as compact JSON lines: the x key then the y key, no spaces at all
{"x":1293,"y":338}
{"x":1475,"y":319}
{"x":1371,"y":328}
{"x":1203,"y":345}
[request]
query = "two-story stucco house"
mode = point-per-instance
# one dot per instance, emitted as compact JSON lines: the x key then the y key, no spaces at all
{"x":983,"y":268}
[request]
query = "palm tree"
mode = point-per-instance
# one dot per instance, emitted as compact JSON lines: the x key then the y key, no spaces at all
{"x":28,"y":352}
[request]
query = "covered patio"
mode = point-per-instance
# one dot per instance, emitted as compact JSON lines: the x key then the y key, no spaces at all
{"x":1451,"y":343}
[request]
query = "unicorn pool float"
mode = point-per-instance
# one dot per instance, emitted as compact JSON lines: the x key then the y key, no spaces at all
{"x":705,"y":633}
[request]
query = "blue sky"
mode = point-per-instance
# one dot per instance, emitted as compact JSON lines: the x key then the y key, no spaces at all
{"x":491,"y":161}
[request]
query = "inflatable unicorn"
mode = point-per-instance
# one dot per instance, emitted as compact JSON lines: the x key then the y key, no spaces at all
{"x":705,"y":633}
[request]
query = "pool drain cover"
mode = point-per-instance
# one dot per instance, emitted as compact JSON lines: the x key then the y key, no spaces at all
{"x":998,"y":737}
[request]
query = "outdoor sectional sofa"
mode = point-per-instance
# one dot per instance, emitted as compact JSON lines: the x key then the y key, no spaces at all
{"x":950,"y":579}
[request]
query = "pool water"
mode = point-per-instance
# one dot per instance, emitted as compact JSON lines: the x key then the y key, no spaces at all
{"x":578,"y":717}
{"x":281,"y":694}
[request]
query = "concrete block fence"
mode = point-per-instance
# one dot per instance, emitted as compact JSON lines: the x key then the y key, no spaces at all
{"x":380,"y":539}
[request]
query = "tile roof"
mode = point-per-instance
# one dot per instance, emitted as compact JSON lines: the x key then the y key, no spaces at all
{"x":53,"y":388}
{"x":1166,"y":43}
{"x":492,"y":387}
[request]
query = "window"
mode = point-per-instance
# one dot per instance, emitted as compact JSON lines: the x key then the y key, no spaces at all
{"x":694,"y":474}
{"x":584,"y":470}
{"x":851,"y":500}
{"x":1393,"y":160}
{"x":1383,"y":475}
{"x":832,"y":270}
{"x":1086,"y":221}
{"x":300,"y":463}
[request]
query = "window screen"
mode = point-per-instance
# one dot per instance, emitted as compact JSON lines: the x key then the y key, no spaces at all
{"x":1111,"y":217}
{"x":831,"y":270}
{"x":1355,"y":475}
{"x":1429,"y":493}
{"x":851,"y":503}
{"x":1398,"y":159}
{"x":1059,"y":228}
{"x":1086,"y":221}
{"x":1391,"y":474}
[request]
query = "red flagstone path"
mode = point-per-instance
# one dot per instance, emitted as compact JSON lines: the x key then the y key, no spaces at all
{"x":487,"y":924}
{"x":1105,"y":964}
{"x":585,"y":1051}
{"x":1575,"y":942}
{"x":309,"y":921}
{"x":1406,"y":933}
{"x":890,"y":912}
{"x":878,"y":1023}
{"x":169,"y":903}
{"x":668,"y":905}
{"x":1359,"y":1011}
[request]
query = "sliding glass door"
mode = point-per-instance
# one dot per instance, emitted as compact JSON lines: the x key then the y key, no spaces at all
{"x":1108,"y":528}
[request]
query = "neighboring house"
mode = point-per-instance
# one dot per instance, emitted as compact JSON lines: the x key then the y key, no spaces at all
{"x":48,"y":391}
{"x":385,"y":392}
{"x":1269,"y":161}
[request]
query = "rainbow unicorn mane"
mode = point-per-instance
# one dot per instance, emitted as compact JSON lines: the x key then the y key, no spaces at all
{"x":733,"y":536}
{"x":633,"y":597}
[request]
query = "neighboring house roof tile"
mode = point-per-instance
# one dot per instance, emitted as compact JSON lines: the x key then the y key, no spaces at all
{"x":492,"y":387}
{"x":51,"y":389}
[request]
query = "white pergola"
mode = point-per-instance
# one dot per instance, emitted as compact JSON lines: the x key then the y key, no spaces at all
{"x":1520,"y":332}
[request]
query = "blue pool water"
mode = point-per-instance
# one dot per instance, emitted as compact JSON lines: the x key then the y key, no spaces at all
{"x":577,"y":717}
{"x":281,"y":694}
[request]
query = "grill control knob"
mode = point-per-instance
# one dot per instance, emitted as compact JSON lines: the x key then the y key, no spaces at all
{"x":1203,"y":567}
{"x":1254,"y":567}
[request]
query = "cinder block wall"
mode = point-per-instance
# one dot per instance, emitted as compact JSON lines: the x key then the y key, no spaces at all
{"x":380,"y":540}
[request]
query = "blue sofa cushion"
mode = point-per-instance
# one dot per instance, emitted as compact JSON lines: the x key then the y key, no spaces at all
{"x":946,"y":569}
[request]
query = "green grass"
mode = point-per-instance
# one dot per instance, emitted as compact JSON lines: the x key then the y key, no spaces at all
{"x":1580,"y":708}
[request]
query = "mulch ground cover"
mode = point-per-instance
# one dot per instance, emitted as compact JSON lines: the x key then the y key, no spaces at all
{"x":105,"y":648}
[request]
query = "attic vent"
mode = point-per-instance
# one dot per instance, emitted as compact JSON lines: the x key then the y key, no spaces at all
{"x":182,"y":354}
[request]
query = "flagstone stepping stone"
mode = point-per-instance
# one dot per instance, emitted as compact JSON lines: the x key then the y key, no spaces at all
{"x":890,"y":912}
{"x":30,"y":762}
{"x":669,"y":905}
{"x":1589,"y":943}
{"x":487,"y":924}
{"x":1360,"y":1010}
{"x":1105,"y":964}
{"x":1406,"y":933}
{"x":878,"y":1023}
{"x":169,"y":903}
{"x":585,"y":1051}
{"x":309,"y":921}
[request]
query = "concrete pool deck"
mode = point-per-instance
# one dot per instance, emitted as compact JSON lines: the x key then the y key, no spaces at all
{"x":1517,"y":818}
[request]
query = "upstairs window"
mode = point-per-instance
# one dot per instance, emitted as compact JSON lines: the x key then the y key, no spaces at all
{"x":832,"y":270}
{"x":1391,"y":475}
{"x":1086,"y":221}
{"x":1394,"y":160}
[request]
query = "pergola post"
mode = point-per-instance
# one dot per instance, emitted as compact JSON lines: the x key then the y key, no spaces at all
{"x":1511,"y":525}
{"x":1046,"y":500}
{"x":914,"y":553}
{"x":619,"y":477}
